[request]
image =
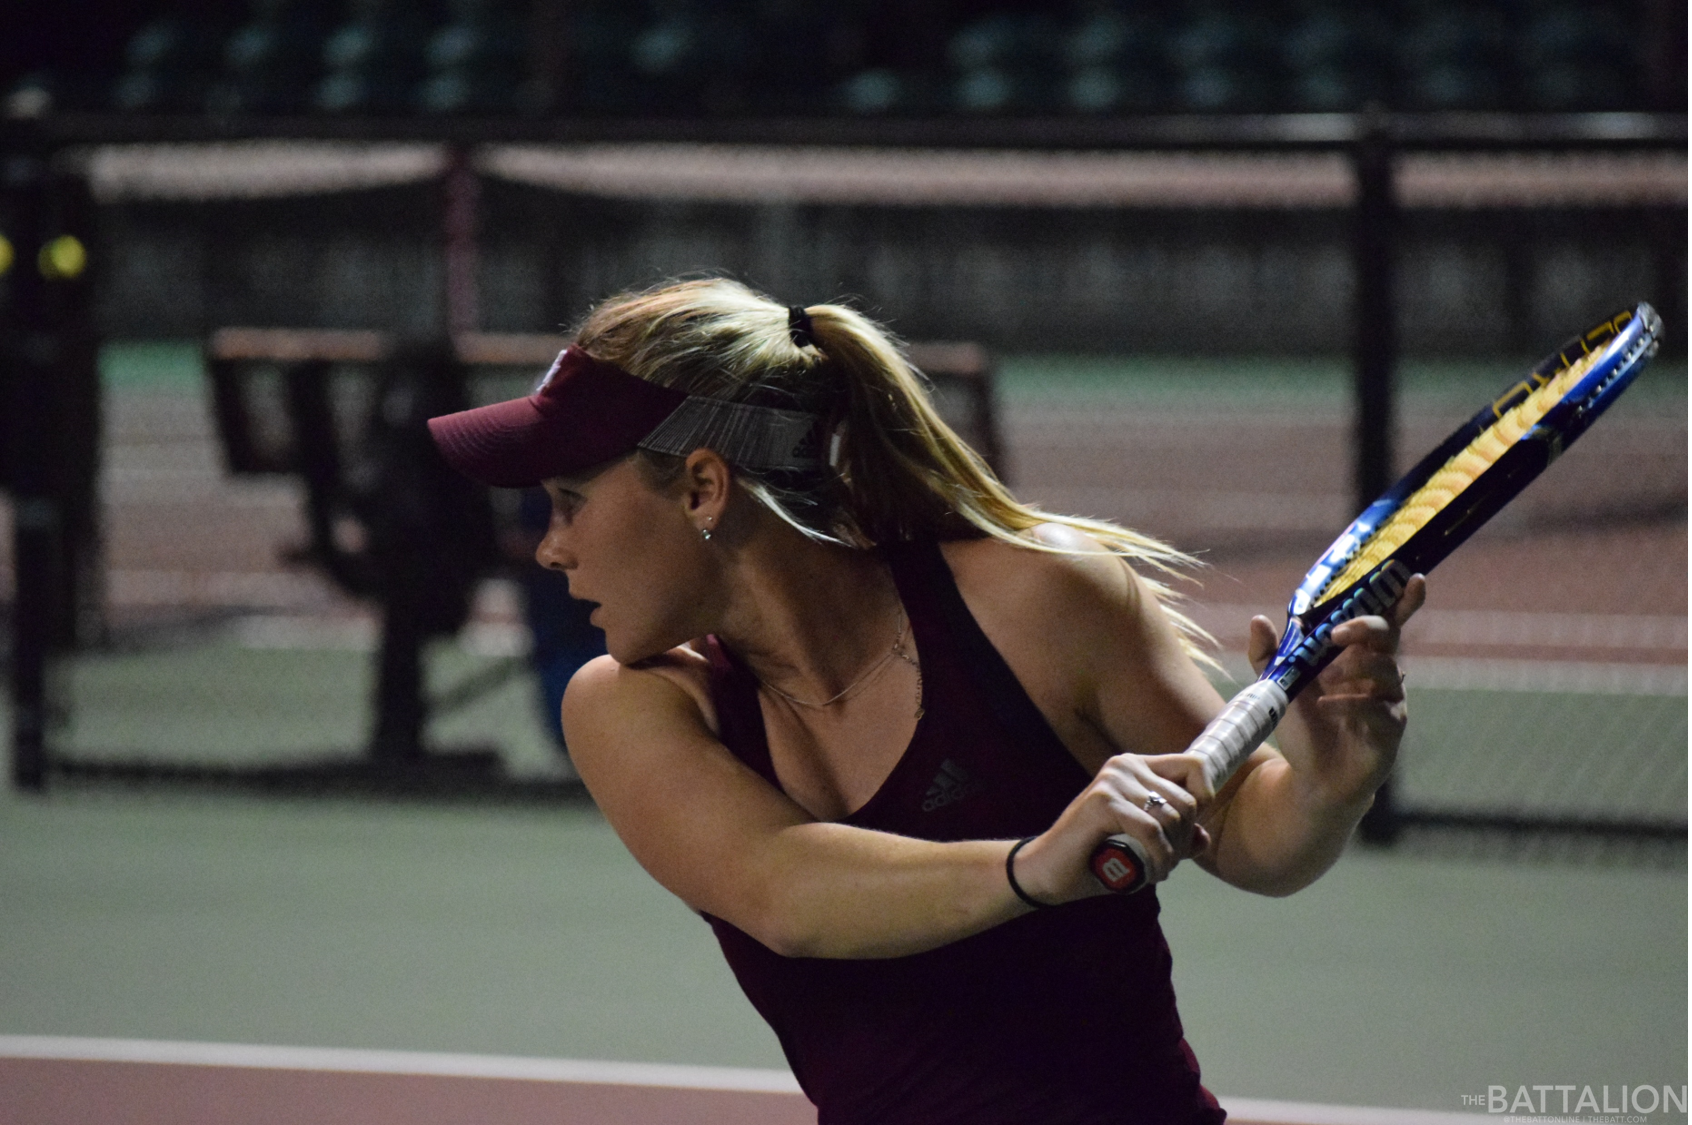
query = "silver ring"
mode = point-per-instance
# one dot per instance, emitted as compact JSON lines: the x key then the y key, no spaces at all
{"x":1154,"y":801}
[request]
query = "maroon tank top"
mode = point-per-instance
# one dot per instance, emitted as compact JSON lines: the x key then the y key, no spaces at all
{"x":1065,"y":1015}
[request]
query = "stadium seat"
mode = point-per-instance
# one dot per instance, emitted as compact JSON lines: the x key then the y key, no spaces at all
{"x":1455,"y":86}
{"x":1116,"y":64}
{"x":881,"y":90}
{"x":1005,"y":64}
{"x":1574,"y":57}
{"x":1336,"y":59}
{"x":598,"y":77}
{"x":1455,"y":58}
{"x":168,"y":65}
{"x":798,"y":53}
{"x":271,"y":64}
{"x":476,"y":62}
{"x":1223,"y":63}
{"x":372,"y":65}
{"x":697,"y":61}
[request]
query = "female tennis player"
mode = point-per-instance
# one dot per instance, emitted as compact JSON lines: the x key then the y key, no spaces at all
{"x":870,"y":715}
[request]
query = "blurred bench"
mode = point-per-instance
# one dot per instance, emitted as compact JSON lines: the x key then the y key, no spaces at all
{"x":345,"y":411}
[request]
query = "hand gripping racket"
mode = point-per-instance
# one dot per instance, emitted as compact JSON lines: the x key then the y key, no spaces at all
{"x":1410,"y":529}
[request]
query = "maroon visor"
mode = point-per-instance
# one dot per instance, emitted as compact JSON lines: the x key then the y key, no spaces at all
{"x":584,"y":413}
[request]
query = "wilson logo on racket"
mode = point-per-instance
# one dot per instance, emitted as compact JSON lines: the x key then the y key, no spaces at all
{"x":1114,"y":873}
{"x":1377,"y":596}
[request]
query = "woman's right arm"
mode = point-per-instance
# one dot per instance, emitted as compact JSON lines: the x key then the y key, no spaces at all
{"x":728,"y":843}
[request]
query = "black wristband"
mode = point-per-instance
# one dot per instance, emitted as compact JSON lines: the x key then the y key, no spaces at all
{"x":1010,"y":874}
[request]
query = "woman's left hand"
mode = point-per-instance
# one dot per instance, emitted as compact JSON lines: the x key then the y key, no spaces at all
{"x":1341,"y":734}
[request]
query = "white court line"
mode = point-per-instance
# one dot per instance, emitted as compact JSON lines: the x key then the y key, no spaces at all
{"x":1261,"y":1112}
{"x":1582,"y":630}
{"x":169,"y":1052}
{"x":363,"y":634}
{"x":183,"y":587}
{"x":673,"y":1075}
{"x":1551,"y":677}
{"x":1554,"y":676}
{"x":1625,"y":631}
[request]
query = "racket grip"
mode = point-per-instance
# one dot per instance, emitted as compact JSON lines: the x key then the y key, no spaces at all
{"x":1239,"y":729}
{"x":1120,"y":861}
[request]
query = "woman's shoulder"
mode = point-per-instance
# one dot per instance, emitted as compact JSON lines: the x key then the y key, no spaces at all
{"x":1089,"y":640}
{"x":1051,"y":607}
{"x":1068,"y":619}
{"x":1060,"y":568}
{"x":603,"y":682}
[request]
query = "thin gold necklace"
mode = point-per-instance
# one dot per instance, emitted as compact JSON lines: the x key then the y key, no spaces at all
{"x":869,"y":674}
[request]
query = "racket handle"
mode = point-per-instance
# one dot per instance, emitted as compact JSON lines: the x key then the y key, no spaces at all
{"x":1239,"y":729}
{"x":1120,"y":864}
{"x":1120,"y":861}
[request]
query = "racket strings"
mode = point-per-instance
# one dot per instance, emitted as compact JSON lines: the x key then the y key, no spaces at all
{"x":1457,"y":474}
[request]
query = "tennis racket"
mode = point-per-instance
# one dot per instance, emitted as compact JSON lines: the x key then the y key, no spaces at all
{"x":1413,"y":526}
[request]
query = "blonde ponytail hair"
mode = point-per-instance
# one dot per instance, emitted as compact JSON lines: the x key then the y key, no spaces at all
{"x":897,"y":471}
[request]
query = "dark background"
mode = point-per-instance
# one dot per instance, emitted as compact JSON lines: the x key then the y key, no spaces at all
{"x":687,"y":58}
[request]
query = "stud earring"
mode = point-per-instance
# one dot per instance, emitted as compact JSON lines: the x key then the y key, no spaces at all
{"x":705,"y":532}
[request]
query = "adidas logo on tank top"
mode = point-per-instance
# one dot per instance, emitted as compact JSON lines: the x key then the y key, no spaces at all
{"x":952,"y":784}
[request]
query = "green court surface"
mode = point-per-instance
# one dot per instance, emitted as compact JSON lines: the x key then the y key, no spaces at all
{"x":1397,"y":980}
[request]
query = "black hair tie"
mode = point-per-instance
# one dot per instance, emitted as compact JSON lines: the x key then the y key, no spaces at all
{"x":799,"y":327}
